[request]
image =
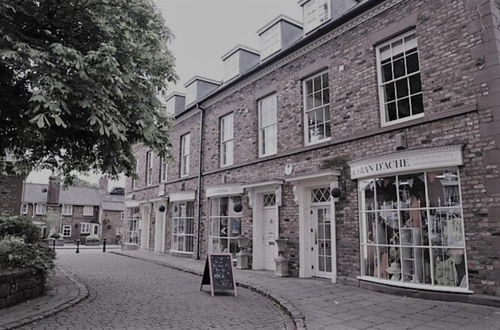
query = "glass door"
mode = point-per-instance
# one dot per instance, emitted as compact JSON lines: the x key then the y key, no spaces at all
{"x":322,"y":241}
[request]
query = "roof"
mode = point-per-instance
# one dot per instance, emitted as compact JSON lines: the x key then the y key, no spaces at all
{"x":278,"y":19}
{"x":80,"y":196}
{"x":238,"y":47}
{"x":208,"y":80}
{"x":174,"y":94}
{"x":35,"y":193}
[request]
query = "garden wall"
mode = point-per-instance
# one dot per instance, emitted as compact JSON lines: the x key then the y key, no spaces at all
{"x":17,"y":286}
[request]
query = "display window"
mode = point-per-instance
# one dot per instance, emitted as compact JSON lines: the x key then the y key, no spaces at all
{"x":225,"y":224}
{"x":412,"y":229}
{"x":182,"y":227}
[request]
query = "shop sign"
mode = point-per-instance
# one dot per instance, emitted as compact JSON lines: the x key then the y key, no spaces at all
{"x":224,"y":190}
{"x":408,"y":160}
{"x":182,"y":196}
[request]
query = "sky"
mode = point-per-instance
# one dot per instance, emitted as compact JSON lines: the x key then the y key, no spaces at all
{"x":204,"y":30}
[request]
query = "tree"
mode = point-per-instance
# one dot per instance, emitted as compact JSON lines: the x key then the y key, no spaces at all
{"x":80,"y":82}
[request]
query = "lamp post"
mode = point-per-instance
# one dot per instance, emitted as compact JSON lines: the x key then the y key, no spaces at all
{"x":77,"y":246}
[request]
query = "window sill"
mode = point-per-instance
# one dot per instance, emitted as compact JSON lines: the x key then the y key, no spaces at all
{"x":426,"y":287}
{"x":399,"y":121}
{"x":308,"y":144}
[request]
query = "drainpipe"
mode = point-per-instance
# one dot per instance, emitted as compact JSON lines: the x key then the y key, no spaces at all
{"x":199,"y":194}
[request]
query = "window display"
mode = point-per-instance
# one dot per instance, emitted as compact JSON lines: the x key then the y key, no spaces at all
{"x":225,"y":224}
{"x":412,"y":229}
{"x":182,"y":226}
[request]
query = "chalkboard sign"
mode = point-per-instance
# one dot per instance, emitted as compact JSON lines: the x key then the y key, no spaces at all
{"x":218,"y":273}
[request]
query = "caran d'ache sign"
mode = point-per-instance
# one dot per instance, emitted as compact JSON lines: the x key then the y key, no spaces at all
{"x":408,"y":160}
{"x":219,"y":273}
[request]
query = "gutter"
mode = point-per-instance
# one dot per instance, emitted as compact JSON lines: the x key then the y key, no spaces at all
{"x":200,"y":173}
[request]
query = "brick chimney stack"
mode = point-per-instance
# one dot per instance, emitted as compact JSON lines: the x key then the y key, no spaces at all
{"x":54,"y":190}
{"x":103,"y":184}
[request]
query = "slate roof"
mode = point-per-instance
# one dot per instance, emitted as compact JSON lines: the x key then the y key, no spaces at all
{"x":80,"y":196}
{"x":34,"y":193}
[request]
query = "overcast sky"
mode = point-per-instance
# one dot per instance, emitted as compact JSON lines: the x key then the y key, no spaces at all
{"x":204,"y":30}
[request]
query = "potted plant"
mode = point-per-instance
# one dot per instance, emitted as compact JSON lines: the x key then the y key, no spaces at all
{"x":57,"y":238}
{"x":92,"y":240}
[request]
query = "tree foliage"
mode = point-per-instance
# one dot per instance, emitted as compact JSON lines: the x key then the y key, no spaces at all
{"x":80,"y":82}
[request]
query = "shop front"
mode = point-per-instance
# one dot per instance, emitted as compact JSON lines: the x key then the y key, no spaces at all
{"x":182,"y":222}
{"x":225,"y":217}
{"x":411,"y":219}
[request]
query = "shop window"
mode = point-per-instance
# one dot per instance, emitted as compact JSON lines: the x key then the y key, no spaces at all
{"x":411,"y":229}
{"x":317,"y":109}
{"x":399,"y":79}
{"x":182,"y":226}
{"x":226,"y":140}
{"x":225,"y":224}
{"x":132,"y":225}
{"x":267,"y":126}
{"x":185,"y":154}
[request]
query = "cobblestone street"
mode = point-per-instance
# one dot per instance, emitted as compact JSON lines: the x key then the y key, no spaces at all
{"x":130,"y":294}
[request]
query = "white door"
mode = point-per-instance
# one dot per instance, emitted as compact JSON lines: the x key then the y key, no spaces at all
{"x":159,"y":232}
{"x":322,"y":241}
{"x":95,"y":230}
{"x":269,"y":231}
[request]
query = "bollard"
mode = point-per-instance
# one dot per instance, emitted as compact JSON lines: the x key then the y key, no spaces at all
{"x":77,"y":246}
{"x":54,"y":244}
{"x":104,"y":245}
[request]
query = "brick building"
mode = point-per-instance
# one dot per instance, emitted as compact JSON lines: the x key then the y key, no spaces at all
{"x":81,"y":210}
{"x":11,"y":191}
{"x":368,"y":136}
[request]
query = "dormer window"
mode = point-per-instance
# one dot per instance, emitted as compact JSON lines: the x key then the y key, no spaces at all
{"x":190,"y":93}
{"x":239,"y":60}
{"x":316,"y":12}
{"x":197,"y":88}
{"x":278,"y":34}
{"x":175,"y":103}
{"x":170,"y":107}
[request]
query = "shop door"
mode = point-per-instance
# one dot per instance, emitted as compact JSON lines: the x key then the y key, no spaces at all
{"x":269,"y":231}
{"x":322,"y":241}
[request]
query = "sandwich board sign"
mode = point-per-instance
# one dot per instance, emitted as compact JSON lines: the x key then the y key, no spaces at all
{"x":219,"y":273}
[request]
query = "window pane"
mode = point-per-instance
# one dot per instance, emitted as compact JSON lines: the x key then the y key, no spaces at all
{"x":402,"y":88}
{"x":417,"y":104}
{"x":446,"y":227}
{"x":415,"y":86}
{"x":326,"y":96}
{"x":309,"y":87}
{"x":449,"y":267}
{"x":309,"y":102}
{"x":416,"y":265}
{"x":399,"y":68}
{"x":443,"y":188}
{"x":391,"y":111}
{"x":367,"y":194}
{"x":325,"y":80}
{"x":369,"y":260}
{"x":388,"y":228}
{"x":386,"y":193}
{"x":317,"y":83}
{"x":414,"y":227}
{"x":412,"y":63}
{"x":387,"y":72}
{"x":412,"y":190}
{"x":390,"y":92}
{"x":404,"y":108}
{"x":317,"y":99}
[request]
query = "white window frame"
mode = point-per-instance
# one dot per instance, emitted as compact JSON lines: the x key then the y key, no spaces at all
{"x":40,"y":209}
{"x":264,"y":150}
{"x":24,"y":208}
{"x":181,"y":223}
{"x":185,"y":155}
{"x":306,"y":111}
{"x":170,"y":107}
{"x":86,"y":213}
{"x":313,"y":22}
{"x":64,"y":209}
{"x":63,"y":231}
{"x":119,"y":231}
{"x":149,"y":168}
{"x":163,"y":175}
{"x":226,"y":151}
{"x":383,"y":120}
{"x":191,"y":93}
{"x":215,"y":233}
{"x":232,"y":66}
{"x":84,"y":228}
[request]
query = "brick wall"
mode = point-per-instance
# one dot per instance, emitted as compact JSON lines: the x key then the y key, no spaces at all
{"x":459,"y":56}
{"x":111,"y":220}
{"x":11,"y":189}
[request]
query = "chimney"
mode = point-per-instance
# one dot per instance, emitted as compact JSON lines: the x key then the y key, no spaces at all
{"x":53,"y":190}
{"x":175,"y":103}
{"x":278,"y":34}
{"x":199,"y":87}
{"x":238,"y":61}
{"x":103,"y":184}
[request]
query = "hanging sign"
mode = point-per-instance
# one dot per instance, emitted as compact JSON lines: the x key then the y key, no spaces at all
{"x":219,"y":273}
{"x":409,"y":160}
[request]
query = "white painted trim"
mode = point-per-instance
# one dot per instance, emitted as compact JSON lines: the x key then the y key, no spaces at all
{"x":408,"y":160}
{"x":277,"y":20}
{"x":182,"y":196}
{"x":223,"y":190}
{"x":131,"y":204}
{"x":263,"y":184}
{"x":208,"y":80}
{"x":414,"y":285}
{"x":239,"y":47}
{"x":312,"y":176}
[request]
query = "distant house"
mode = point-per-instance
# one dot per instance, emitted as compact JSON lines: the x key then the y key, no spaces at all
{"x":83,"y":210}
